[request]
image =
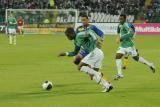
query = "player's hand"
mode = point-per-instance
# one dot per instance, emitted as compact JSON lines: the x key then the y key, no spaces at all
{"x":62,"y":54}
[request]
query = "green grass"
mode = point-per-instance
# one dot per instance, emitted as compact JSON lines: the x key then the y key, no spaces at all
{"x":34,"y":59}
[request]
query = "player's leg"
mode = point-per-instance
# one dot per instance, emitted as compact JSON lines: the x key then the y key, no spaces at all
{"x":10,"y":36}
{"x":14,"y":36}
{"x":80,"y":56}
{"x":118,"y":58}
{"x":125,"y":61}
{"x":77,"y":59}
{"x":91,"y":61}
{"x":140,"y":59}
{"x":19,"y":30}
{"x":22,"y":30}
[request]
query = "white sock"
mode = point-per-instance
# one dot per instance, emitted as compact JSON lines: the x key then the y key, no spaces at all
{"x":96,"y":76}
{"x":10,"y":39}
{"x":143,"y":61}
{"x":90,"y":71}
{"x":14,"y":39}
{"x":105,"y":83}
{"x":119,"y":66}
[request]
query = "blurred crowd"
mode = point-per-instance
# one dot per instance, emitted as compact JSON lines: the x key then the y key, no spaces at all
{"x":152,"y":13}
{"x":107,"y":6}
{"x":129,"y":7}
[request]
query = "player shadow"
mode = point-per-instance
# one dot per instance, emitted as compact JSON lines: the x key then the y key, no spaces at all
{"x":72,"y":84}
{"x":42,"y":95}
{"x":57,"y":91}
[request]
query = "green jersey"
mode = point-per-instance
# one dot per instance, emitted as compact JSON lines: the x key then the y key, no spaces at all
{"x":126,"y":35}
{"x":85,"y":40}
{"x":12,"y":23}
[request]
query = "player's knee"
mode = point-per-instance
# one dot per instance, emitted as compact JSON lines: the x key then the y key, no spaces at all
{"x":136,"y":58}
{"x":96,"y":69}
{"x":76,"y":62}
{"x":126,"y":57}
{"x":119,"y":56}
{"x":81,"y":65}
{"x":77,"y":59}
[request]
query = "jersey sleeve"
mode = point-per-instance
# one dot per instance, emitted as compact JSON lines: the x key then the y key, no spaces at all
{"x":75,"y":52}
{"x":78,"y":42}
{"x":97,"y":31}
{"x":15,"y":21}
{"x":118,"y":29}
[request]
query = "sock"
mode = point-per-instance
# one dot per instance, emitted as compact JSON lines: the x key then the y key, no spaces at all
{"x":125,"y":62}
{"x":10,"y":39}
{"x":96,"y":76}
{"x":14,"y":39}
{"x":90,"y":71}
{"x":105,"y":83}
{"x":143,"y":61}
{"x":119,"y":66}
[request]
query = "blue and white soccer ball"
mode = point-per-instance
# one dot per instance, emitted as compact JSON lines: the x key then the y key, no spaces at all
{"x":47,"y":85}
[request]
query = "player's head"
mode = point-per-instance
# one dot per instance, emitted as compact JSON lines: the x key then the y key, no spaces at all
{"x":84,"y":19}
{"x":70,"y":33}
{"x":11,"y":15}
{"x":122,"y":18}
{"x":20,"y":17}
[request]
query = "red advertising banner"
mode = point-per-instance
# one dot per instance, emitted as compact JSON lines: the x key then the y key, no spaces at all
{"x":148,"y":29}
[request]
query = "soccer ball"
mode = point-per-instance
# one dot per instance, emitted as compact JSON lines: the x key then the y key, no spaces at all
{"x":47,"y":85}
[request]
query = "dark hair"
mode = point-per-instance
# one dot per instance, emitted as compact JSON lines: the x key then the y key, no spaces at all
{"x":69,"y":30}
{"x":123,"y":15}
{"x":84,"y":15}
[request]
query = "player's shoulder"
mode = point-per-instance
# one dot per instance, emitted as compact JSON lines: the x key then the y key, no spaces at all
{"x":93,"y":27}
{"x":127,"y":25}
{"x":80,"y":28}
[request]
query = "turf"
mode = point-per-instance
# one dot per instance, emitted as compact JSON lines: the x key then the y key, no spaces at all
{"x":34,"y":59}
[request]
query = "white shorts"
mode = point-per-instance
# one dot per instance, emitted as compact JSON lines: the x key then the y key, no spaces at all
{"x":12,"y":31}
{"x":94,"y":58}
{"x":20,"y":27}
{"x":128,"y":51}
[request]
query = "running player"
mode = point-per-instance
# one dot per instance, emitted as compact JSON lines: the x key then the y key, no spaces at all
{"x":127,"y":47}
{"x":125,"y":59}
{"x":85,"y":25}
{"x":92,"y":62}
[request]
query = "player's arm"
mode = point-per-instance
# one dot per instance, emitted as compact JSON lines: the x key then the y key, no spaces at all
{"x":118,"y":35}
{"x":72,"y":53}
{"x":78,"y":43}
{"x":15,"y":21}
{"x":98,"y":31}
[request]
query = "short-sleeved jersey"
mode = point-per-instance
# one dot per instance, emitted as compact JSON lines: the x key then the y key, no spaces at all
{"x":129,"y":24}
{"x":12,"y":23}
{"x":86,"y":40}
{"x":126,"y":32}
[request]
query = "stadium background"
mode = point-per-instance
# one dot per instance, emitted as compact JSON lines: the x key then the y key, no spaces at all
{"x":24,"y":67}
{"x":104,"y":13}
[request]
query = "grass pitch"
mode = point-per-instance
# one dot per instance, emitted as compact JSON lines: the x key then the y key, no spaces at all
{"x":34,"y":59}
